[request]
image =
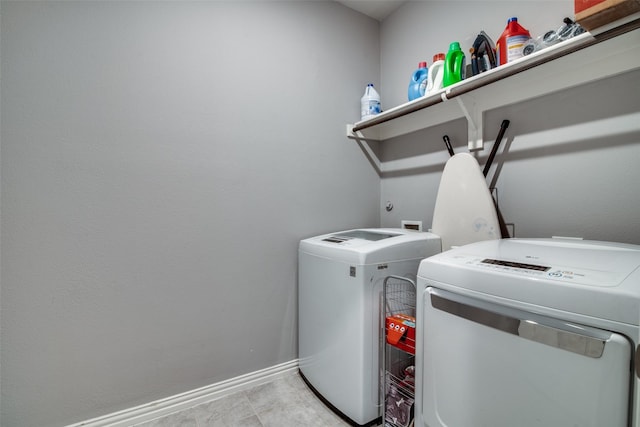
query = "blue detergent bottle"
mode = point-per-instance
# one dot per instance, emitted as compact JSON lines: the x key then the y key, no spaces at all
{"x":418,"y":83}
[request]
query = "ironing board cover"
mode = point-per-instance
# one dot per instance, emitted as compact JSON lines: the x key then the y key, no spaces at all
{"x":464,"y":211}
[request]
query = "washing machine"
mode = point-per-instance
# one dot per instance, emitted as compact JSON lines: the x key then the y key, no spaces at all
{"x":529,"y":332}
{"x":339,"y":290}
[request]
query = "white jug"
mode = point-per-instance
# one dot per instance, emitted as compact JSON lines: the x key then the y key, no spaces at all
{"x":369,"y":103}
{"x":436,"y":72}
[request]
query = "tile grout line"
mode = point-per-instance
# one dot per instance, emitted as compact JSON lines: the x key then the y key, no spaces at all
{"x":253,"y":407}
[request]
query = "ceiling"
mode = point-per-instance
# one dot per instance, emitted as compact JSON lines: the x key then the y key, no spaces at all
{"x":377,"y":9}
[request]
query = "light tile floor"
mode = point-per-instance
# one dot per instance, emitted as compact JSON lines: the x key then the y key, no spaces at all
{"x":284,"y":402}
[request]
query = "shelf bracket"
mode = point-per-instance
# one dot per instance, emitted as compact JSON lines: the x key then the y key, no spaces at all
{"x":474,"y":122}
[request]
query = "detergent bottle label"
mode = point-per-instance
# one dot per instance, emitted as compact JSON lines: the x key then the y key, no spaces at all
{"x":515,"y":46}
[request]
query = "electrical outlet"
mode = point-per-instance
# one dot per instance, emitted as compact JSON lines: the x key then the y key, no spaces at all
{"x":412,"y":225}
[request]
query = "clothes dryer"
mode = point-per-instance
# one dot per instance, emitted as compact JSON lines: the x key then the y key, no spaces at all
{"x":529,"y":332}
{"x":339,"y":291}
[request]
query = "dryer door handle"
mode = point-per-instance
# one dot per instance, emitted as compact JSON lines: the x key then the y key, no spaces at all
{"x":549,"y":331}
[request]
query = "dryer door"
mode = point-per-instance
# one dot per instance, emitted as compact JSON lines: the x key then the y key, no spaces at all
{"x":488,"y":365}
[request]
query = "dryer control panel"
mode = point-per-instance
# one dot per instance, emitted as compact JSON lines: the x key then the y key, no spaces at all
{"x":540,"y":271}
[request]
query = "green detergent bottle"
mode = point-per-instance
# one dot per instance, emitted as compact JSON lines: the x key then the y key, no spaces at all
{"x":454,"y":65}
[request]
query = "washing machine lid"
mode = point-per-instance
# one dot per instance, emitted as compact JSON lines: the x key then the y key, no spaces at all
{"x":372,"y":245}
{"x":598,"y":279}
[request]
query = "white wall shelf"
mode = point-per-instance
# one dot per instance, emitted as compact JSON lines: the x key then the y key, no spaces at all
{"x":575,"y":62}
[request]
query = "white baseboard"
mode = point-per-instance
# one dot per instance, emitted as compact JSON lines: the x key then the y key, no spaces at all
{"x":162,"y":407}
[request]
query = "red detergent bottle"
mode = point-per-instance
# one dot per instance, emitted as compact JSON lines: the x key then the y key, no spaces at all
{"x":512,"y":41}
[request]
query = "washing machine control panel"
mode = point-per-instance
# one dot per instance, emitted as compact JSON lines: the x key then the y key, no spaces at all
{"x":573,"y":275}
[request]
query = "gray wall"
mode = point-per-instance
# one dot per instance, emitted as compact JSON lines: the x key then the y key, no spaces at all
{"x":161,"y":160}
{"x":570,"y":160}
{"x":160,"y":163}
